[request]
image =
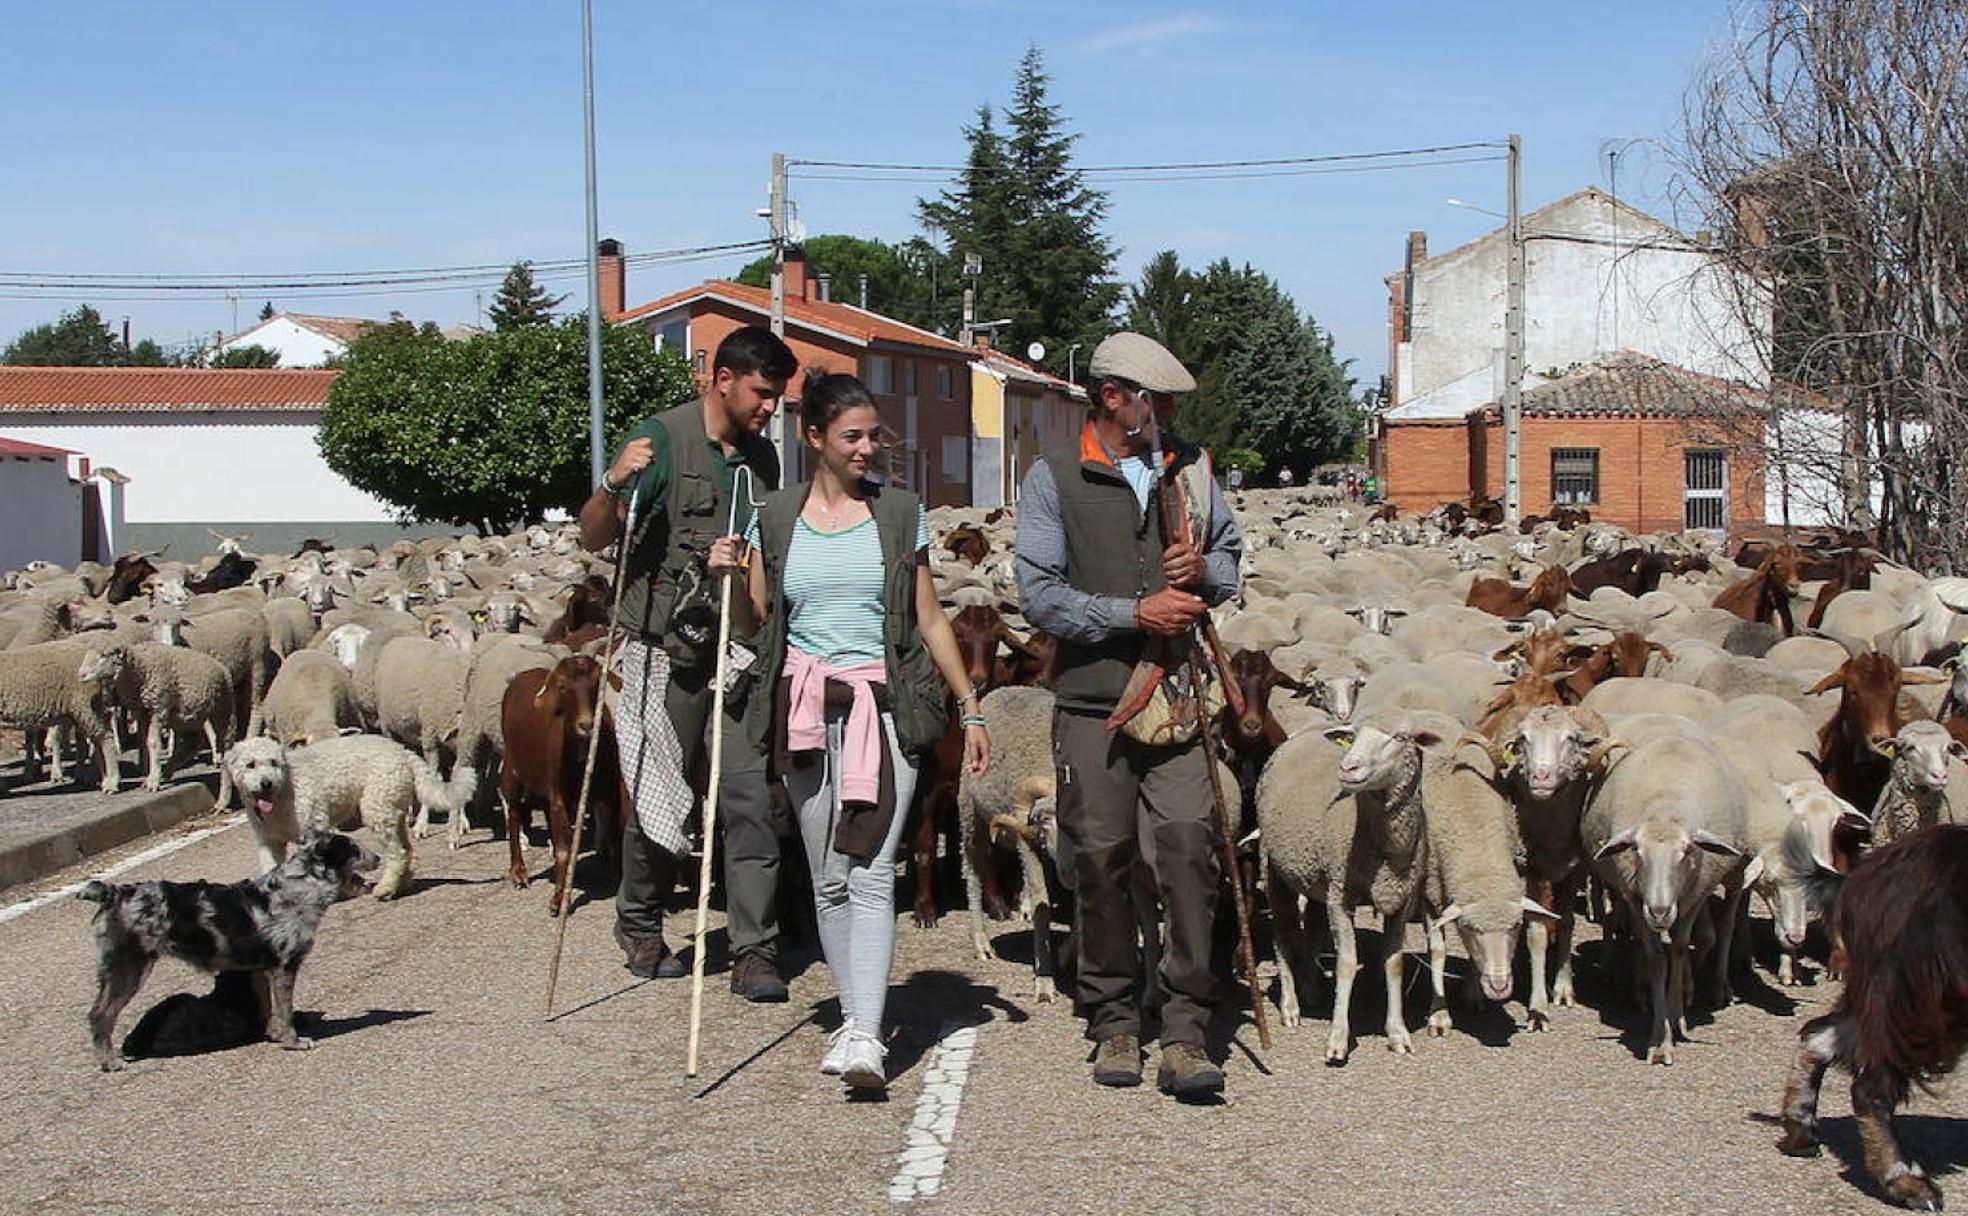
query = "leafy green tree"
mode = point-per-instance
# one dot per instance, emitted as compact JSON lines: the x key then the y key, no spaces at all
{"x":491,"y":431}
{"x":898,"y":281}
{"x":266,"y":311}
{"x":246,"y":356}
{"x":1032,"y":219}
{"x":521,"y":302}
{"x":78,"y":339}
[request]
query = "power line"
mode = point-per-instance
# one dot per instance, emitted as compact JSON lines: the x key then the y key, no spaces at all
{"x":1184,"y":177}
{"x":1269,"y":162}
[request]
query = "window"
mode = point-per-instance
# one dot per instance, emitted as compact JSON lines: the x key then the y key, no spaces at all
{"x":879,"y":371}
{"x":946,"y":383}
{"x":909,"y":379}
{"x":1574,"y":476}
{"x":1705,"y":501}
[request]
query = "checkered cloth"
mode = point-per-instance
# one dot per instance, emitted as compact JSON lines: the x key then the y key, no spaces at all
{"x":652,"y":758}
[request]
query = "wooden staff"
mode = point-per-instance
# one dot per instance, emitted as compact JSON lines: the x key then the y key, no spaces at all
{"x":564,"y":889}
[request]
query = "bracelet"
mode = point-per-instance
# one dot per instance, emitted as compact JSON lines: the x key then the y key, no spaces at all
{"x":971,"y":720}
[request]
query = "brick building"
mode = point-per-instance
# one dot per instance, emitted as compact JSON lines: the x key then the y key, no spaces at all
{"x":921,"y":381}
{"x":1638,"y":442}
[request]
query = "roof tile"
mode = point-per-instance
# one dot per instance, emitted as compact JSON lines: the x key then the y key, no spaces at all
{"x":40,"y":390}
{"x":856,"y":323}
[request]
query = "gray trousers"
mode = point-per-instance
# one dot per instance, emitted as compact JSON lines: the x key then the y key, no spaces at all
{"x":1121,"y":802}
{"x":751,"y":843}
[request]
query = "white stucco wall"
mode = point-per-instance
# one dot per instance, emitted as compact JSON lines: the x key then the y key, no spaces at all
{"x":232,"y":466}
{"x":43,"y":512}
{"x":296,"y":345}
{"x":1583,"y":298}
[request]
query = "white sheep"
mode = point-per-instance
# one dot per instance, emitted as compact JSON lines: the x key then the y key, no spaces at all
{"x":237,"y":638}
{"x":1916,"y":793}
{"x":1815,"y":812}
{"x":311,"y":698}
{"x":1014,"y":799}
{"x":1667,"y":826}
{"x":481,"y":744}
{"x":1342,"y":823}
{"x":41,"y":689}
{"x":167,"y":688}
{"x":420,"y":692}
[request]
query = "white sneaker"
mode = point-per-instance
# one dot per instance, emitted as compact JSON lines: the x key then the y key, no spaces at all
{"x":835,"y":1060}
{"x":863,"y":1066}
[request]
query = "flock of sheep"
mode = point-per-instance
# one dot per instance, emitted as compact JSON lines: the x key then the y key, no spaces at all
{"x":1476,"y":769}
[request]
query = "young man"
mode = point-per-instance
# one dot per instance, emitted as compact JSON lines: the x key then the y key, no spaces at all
{"x":1096,"y":571}
{"x":680,"y":467}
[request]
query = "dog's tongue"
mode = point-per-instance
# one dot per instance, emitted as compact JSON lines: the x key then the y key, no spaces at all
{"x":263,"y":807}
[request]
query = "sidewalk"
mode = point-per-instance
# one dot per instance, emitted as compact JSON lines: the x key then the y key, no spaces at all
{"x":42,"y":832}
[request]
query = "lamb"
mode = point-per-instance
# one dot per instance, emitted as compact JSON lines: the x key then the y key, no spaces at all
{"x":168,"y":688}
{"x":1666,"y":826}
{"x":41,"y":688}
{"x":1014,"y":797}
{"x":1915,"y":795}
{"x":311,"y":698}
{"x":1344,"y":830}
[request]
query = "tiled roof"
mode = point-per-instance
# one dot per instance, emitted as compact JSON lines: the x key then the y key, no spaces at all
{"x":341,"y":329}
{"x":856,"y":324}
{"x":1018,"y":369}
{"x":1632,"y":384}
{"x":41,"y":390}
{"x":26,"y":450}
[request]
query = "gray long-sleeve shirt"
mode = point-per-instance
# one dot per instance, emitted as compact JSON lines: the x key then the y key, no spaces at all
{"x":1062,"y":610}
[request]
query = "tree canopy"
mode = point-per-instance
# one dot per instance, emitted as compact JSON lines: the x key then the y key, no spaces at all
{"x":246,"y":356}
{"x":521,"y":301}
{"x":899,"y":285}
{"x":1266,"y":377}
{"x":491,"y":431}
{"x":1022,"y":208}
{"x":79,"y":339}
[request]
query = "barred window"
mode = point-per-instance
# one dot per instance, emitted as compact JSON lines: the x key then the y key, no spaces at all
{"x":1574,"y":476}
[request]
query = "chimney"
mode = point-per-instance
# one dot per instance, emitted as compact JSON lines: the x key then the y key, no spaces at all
{"x":826,"y":282}
{"x":1417,"y":248}
{"x":614,"y":283}
{"x":795,"y":273}
{"x":864,"y":293}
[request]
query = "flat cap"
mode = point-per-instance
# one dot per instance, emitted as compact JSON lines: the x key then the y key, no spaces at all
{"x":1140,"y":359}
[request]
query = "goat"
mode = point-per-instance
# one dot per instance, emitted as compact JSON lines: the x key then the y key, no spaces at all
{"x":1851,"y":570}
{"x":1899,"y":927}
{"x":1870,"y":708}
{"x":1499,"y":598}
{"x":548,"y":717}
{"x":1766,"y":593}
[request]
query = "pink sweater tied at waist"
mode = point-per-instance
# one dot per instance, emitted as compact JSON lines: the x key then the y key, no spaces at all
{"x":806,"y":718}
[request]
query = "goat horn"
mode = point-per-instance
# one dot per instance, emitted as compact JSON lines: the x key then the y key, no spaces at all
{"x":1489,"y":746}
{"x":1596,"y":761}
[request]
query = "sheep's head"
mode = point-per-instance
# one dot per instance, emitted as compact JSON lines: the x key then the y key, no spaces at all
{"x":1375,"y":758}
{"x":1815,"y":811}
{"x":505,"y":612}
{"x":103,"y":666}
{"x":1922,"y":754}
{"x":1667,"y":858}
{"x":345,"y":642}
{"x":1552,"y":746}
{"x":1334,"y":689}
{"x":1489,"y":933}
{"x":1378,"y":618}
{"x":169,"y":591}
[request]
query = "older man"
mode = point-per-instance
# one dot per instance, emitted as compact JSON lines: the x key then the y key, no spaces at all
{"x":1097,"y":572}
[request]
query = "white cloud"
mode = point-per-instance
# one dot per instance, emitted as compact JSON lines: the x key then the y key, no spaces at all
{"x":1154,"y":34}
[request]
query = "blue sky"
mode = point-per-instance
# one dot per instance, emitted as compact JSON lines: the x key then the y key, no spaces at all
{"x":207,"y":138}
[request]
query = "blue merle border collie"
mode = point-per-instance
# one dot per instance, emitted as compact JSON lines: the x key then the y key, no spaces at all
{"x":263,"y":925}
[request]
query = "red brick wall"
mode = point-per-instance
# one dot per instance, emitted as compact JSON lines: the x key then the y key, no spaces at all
{"x":1427,"y":463}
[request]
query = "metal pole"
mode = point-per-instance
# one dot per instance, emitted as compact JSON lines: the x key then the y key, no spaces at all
{"x":597,"y":440}
{"x":1513,"y":349}
{"x":776,"y":214}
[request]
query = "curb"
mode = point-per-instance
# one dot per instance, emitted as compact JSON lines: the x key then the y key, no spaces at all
{"x":41,"y":855}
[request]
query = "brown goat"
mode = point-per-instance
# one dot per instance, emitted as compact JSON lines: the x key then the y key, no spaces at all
{"x":1766,"y":593}
{"x":1518,"y":698}
{"x":548,"y":718}
{"x":1851,"y":570}
{"x":1870,"y":708}
{"x":1499,"y":597}
{"x":1626,"y":654}
{"x":587,"y":604}
{"x":968,"y":543}
{"x":1900,"y":927}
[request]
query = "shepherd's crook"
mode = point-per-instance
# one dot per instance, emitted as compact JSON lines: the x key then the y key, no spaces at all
{"x":709,"y":847}
{"x":564,"y":891}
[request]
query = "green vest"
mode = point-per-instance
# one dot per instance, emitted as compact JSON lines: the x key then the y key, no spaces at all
{"x":1113,"y":548}
{"x":672,"y":535}
{"x":916,"y":694}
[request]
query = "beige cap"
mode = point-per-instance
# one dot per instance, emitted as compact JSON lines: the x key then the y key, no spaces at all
{"x":1139,"y":359}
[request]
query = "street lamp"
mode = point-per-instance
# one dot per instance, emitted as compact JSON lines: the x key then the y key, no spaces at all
{"x":1456,"y":202}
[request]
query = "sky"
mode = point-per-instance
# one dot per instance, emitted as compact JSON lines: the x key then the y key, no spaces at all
{"x":206,"y":138}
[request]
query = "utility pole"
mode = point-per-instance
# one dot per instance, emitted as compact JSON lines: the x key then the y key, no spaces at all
{"x":597,"y":441}
{"x":776,"y":216}
{"x":1513,"y":348}
{"x":973,"y":265}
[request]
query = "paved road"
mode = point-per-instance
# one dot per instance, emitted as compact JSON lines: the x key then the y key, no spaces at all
{"x":436,"y":1086}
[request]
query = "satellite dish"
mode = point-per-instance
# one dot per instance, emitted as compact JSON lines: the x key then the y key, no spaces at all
{"x":1035,"y":352}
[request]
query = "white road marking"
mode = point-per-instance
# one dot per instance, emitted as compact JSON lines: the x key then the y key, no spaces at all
{"x":926,"y":1145}
{"x":15,"y":911}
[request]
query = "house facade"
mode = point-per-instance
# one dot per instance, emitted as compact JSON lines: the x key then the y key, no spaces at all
{"x":1642,"y":393}
{"x":229,"y":450}
{"x":921,"y":382}
{"x":1017,"y":412}
{"x":299,"y":339}
{"x":51,"y":505}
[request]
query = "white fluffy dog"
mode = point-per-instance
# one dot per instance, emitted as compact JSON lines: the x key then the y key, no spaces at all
{"x":333,"y":783}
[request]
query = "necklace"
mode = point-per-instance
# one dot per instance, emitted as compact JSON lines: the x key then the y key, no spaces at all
{"x":831,"y":516}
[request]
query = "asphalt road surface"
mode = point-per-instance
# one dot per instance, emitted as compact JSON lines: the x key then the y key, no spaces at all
{"x":436,"y":1085}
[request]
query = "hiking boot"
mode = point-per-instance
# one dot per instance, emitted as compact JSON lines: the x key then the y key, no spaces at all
{"x":1187,"y":1073}
{"x":756,"y":978}
{"x":649,"y":958}
{"x":1117,"y":1061}
{"x":863,"y":1061}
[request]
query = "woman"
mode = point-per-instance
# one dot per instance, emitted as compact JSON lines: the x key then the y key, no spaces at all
{"x":852,"y":625}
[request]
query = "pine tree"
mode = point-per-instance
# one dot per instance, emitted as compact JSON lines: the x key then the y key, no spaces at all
{"x":79,"y":339}
{"x":1031,"y":217}
{"x":522,"y":302}
{"x":266,"y":311}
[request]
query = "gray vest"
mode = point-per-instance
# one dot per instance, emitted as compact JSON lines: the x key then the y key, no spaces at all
{"x":1113,"y":548}
{"x":915,"y":692}
{"x":677,"y":533}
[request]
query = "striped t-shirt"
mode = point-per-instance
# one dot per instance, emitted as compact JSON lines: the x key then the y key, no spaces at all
{"x":834,"y":586}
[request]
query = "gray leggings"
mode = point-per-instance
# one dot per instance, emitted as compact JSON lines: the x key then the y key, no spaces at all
{"x":855,"y":903}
